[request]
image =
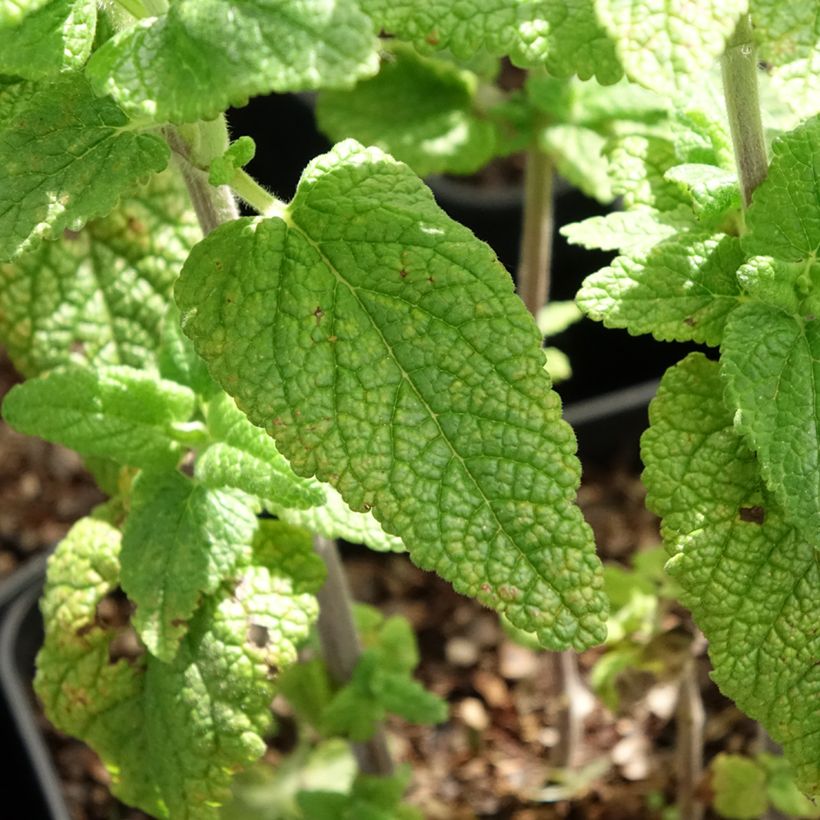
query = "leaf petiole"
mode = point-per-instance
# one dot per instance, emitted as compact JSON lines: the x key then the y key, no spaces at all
{"x":249,"y":190}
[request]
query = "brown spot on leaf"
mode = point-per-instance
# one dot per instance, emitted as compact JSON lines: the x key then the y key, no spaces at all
{"x":332,"y":338}
{"x":218,"y":264}
{"x":432,"y":38}
{"x":70,"y":235}
{"x":135,"y":225}
{"x":78,"y":346}
{"x":754,"y":515}
{"x":403,"y":273}
{"x":689,"y":321}
{"x":430,"y":279}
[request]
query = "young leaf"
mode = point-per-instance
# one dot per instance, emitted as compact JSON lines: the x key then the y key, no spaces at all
{"x":183,"y":67}
{"x":181,"y":541}
{"x":364,"y":330}
{"x":98,"y":295}
{"x":750,"y":579}
{"x":713,"y":191}
{"x":288,"y":550}
{"x":66,"y":157}
{"x":334,"y":519}
{"x":739,"y":785}
{"x":238,"y":155}
{"x":178,"y":361}
{"x":170,"y":734}
{"x":56,"y":37}
{"x":245,"y":457}
{"x":114,"y":412}
{"x":683,"y":289}
{"x":418,"y":109}
{"x":668,"y":45}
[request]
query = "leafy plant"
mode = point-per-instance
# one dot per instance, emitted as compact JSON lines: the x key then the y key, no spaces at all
{"x":356,"y":362}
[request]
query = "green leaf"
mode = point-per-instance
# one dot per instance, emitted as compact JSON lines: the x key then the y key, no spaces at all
{"x":784,"y":218}
{"x":771,"y":362}
{"x":739,"y":785}
{"x":788,"y":33}
{"x":288,"y":550}
{"x":245,"y":457}
{"x":713,"y":191}
{"x":378,"y":367}
{"x":113,"y":412}
{"x":182,"y":67}
{"x":238,"y":155}
{"x":633,"y":232}
{"x":56,"y":37}
{"x":181,"y":541}
{"x":334,"y":519}
{"x":749,"y":578}
{"x":13,"y":12}
{"x":66,"y":157}
{"x":178,"y":361}
{"x":555,"y":317}
{"x":578,"y":156}
{"x":668,"y":45}
{"x":782,"y":790}
{"x":435,"y":128}
{"x":98,"y":296}
{"x":683,"y":289}
{"x":172,"y":734}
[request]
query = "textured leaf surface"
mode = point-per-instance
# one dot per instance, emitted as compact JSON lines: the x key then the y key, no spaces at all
{"x":245,"y":457}
{"x":171,"y":734}
{"x":334,"y":519}
{"x":578,"y":156}
{"x":668,"y":45}
{"x":181,"y":541}
{"x":771,"y":362}
{"x":682,"y":290}
{"x":784,"y":218}
{"x":420,"y":110}
{"x":749,"y":578}
{"x":56,"y":37}
{"x":713,"y":191}
{"x":205,"y":55}
{"x":288,"y":550}
{"x":99,"y":295}
{"x":114,"y":412}
{"x":178,"y":361}
{"x":66,"y":157}
{"x":363,"y":329}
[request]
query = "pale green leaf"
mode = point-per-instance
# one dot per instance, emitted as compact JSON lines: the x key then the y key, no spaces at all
{"x":238,"y":154}
{"x":178,"y":361}
{"x":739,"y":785}
{"x":206,"y":55}
{"x":99,"y":295}
{"x":420,"y":110}
{"x":172,"y":735}
{"x":668,"y":45}
{"x":56,"y":37}
{"x":771,"y":362}
{"x":13,"y":11}
{"x":556,"y":316}
{"x":288,"y":550}
{"x":335,"y":519}
{"x":749,"y":578}
{"x":702,"y":137}
{"x":784,"y":218}
{"x":777,"y":283}
{"x":180,"y":542}
{"x":66,"y":157}
{"x":377,"y":367}
{"x":578,"y":156}
{"x":683,"y":289}
{"x":713,"y":191}
{"x":245,"y":457}
{"x":632,"y":232}
{"x":113,"y":412}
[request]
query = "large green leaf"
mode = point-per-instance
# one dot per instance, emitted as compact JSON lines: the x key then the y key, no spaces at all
{"x":115,"y":412}
{"x":245,"y":457}
{"x":751,"y":580}
{"x":435,"y":128}
{"x":66,"y":156}
{"x":172,"y":734}
{"x":181,"y":541}
{"x":384,"y":349}
{"x":99,"y":295}
{"x":683,"y":289}
{"x":669,"y":45}
{"x":206,"y":55}
{"x":56,"y":37}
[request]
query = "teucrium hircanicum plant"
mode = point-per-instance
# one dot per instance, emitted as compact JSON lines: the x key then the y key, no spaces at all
{"x":357,"y":364}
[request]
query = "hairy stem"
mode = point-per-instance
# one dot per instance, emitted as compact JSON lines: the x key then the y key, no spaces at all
{"x":739,"y":66}
{"x":248,"y":189}
{"x":689,"y":746}
{"x":536,"y":236}
{"x":213,"y":205}
{"x":341,"y":649}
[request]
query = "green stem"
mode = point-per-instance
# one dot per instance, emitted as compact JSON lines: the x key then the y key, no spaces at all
{"x":739,"y":65}
{"x":248,"y":189}
{"x":341,"y":649}
{"x":213,"y":205}
{"x":535,"y":256}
